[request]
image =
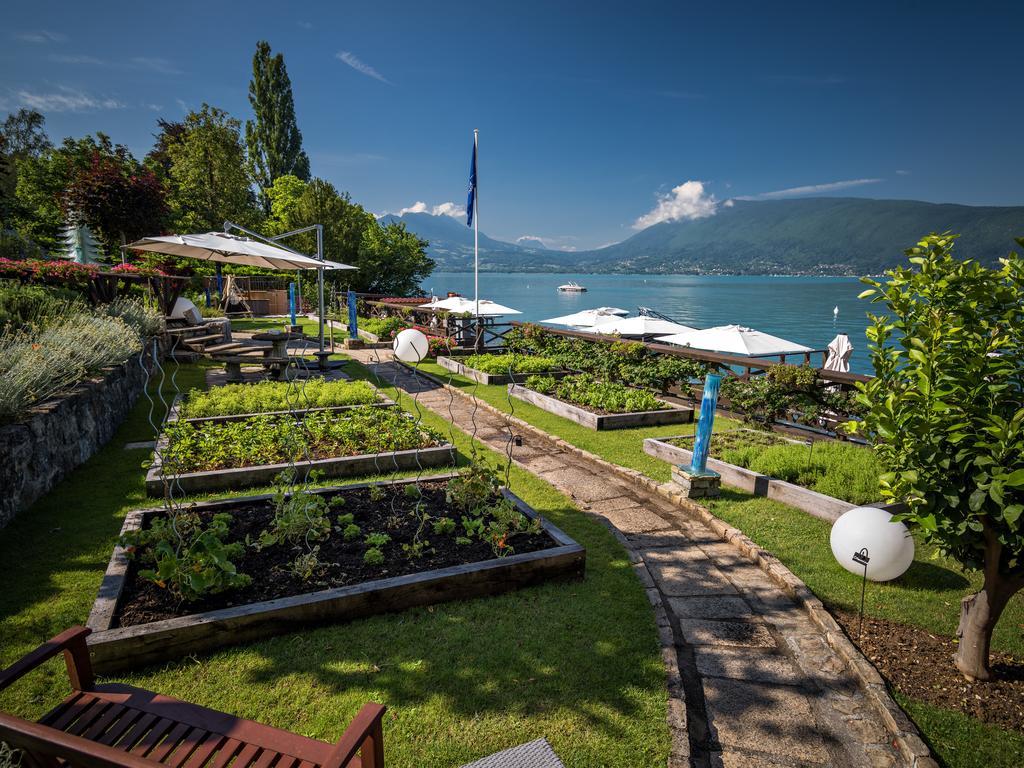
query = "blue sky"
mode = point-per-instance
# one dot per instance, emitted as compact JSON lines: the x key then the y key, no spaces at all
{"x":595,"y":118}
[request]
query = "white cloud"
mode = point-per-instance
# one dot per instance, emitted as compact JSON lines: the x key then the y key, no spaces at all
{"x":42,"y":36}
{"x":154,"y":107}
{"x":181,"y":105}
{"x":67,"y":100}
{"x":901,"y":172}
{"x":555,"y":242}
{"x":454,"y":210}
{"x":360,"y":66}
{"x":531,"y":240}
{"x":687,"y":201}
{"x":73,"y":59}
{"x":156,"y":64}
{"x":811,"y":189}
{"x":729,"y":203}
{"x":305,"y":24}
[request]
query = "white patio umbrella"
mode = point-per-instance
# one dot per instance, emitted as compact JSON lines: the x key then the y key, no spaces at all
{"x":461,"y":305}
{"x":232,"y":249}
{"x":587,"y":318}
{"x":735,"y":340}
{"x":641,"y":325}
{"x":839,"y":351}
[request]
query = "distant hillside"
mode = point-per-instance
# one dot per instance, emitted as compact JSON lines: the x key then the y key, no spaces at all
{"x":833,"y":236}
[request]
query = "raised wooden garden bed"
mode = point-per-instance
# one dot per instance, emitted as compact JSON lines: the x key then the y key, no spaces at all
{"x":174,"y":414}
{"x":671,"y":414}
{"x":113,"y":647}
{"x":264,"y":474}
{"x":816,"y":504}
{"x":457,"y":366}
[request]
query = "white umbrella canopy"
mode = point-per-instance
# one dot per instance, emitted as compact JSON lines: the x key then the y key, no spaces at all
{"x":232,"y":249}
{"x":587,"y":318}
{"x":736,"y":340}
{"x":641,"y":325}
{"x":461,"y":305}
{"x":839,"y":351}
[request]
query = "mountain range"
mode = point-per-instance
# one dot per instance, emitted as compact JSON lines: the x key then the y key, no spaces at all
{"x":816,"y":236}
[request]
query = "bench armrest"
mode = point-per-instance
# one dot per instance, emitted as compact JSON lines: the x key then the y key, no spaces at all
{"x":364,"y":732}
{"x":70,"y":642}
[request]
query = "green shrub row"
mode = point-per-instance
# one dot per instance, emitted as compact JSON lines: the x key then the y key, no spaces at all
{"x":21,"y":304}
{"x":51,"y":354}
{"x":233,"y":399}
{"x":514,"y":362}
{"x":843,"y":470}
{"x":584,"y":390}
{"x":630,"y":362}
{"x":269,"y":440}
{"x":384,"y":327}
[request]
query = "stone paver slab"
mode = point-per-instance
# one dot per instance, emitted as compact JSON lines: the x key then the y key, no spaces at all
{"x":745,"y":664}
{"x":712,"y":607}
{"x":776,"y":718}
{"x":680,"y":580}
{"x":633,"y":520}
{"x":749,"y":634}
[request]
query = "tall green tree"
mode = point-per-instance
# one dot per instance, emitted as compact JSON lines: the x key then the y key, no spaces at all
{"x":392,"y":260}
{"x":273,"y":138}
{"x":208,"y":179}
{"x":22,"y":137}
{"x":43,"y":180}
{"x":946,"y":411}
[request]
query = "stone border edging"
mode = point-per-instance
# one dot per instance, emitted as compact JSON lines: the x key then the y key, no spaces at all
{"x":905,"y":734}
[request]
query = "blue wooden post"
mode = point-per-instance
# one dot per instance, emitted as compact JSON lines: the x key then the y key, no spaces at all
{"x":291,"y":302}
{"x":353,"y":323}
{"x":702,"y":442}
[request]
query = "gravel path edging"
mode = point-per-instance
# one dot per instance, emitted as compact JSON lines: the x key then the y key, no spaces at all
{"x":905,"y":734}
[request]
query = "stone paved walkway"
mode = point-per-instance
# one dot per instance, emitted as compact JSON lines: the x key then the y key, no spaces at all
{"x":752,"y":681}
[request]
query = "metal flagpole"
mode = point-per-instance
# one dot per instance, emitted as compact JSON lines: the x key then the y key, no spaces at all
{"x":476,"y":225}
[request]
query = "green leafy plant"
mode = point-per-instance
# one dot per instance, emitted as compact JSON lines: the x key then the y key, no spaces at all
{"x":266,"y":396}
{"x":584,"y":390}
{"x":298,"y":517}
{"x":377,"y":540}
{"x":373,"y":556}
{"x":189,"y":557}
{"x":444,"y":526}
{"x":266,"y":439}
{"x":499,"y":364}
{"x":946,"y":412}
{"x":351,"y":532}
{"x":377,"y":493}
{"x":307,"y":565}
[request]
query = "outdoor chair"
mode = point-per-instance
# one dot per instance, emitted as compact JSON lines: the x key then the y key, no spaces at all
{"x":114,"y":725}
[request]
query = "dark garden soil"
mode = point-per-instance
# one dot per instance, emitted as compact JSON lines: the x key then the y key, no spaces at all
{"x":341,"y":561}
{"x":919,"y":665}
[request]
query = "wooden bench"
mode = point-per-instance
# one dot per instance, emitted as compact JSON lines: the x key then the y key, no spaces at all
{"x":114,"y":725}
{"x":233,"y":363}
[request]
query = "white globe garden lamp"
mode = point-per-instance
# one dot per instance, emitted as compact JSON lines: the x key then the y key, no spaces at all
{"x":410,"y":346}
{"x":870,"y":531}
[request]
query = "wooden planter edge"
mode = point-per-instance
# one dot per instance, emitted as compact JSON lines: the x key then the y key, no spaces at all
{"x":454,"y":365}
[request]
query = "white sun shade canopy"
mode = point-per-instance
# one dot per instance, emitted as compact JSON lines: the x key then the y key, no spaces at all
{"x":640,"y":325}
{"x":588,"y":318}
{"x":232,"y":249}
{"x":460,"y":305}
{"x":735,"y":340}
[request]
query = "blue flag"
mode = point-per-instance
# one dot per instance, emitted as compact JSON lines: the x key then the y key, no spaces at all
{"x":471,"y":202}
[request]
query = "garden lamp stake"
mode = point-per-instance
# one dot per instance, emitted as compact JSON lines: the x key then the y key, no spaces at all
{"x":861,"y":556}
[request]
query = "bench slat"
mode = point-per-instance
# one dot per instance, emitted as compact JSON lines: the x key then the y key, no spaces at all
{"x":151,"y":739}
{"x":111,"y":737}
{"x":227,"y":751}
{"x":165,"y":747}
{"x":89,"y":716}
{"x":203,"y":752}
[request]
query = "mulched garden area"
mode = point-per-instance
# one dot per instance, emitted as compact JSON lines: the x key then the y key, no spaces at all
{"x":920,"y":665}
{"x":393,"y":512}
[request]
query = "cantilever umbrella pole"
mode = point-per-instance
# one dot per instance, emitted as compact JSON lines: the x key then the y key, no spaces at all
{"x":276,"y":240}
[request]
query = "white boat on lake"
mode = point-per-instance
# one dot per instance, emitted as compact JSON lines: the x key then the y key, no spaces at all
{"x":571,"y":287}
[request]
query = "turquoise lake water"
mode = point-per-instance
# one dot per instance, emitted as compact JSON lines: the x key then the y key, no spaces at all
{"x":795,"y":308}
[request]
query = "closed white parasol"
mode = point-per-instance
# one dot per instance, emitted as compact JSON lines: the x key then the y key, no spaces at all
{"x":839,"y":351}
{"x":641,"y":325}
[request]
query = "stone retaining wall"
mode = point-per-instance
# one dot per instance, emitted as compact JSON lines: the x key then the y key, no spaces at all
{"x":60,"y":434}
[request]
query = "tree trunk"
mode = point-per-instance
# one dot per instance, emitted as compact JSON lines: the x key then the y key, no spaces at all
{"x":980,"y":612}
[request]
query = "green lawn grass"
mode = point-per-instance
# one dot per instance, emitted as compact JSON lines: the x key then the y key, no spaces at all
{"x":927,"y":596}
{"x":576,"y":662}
